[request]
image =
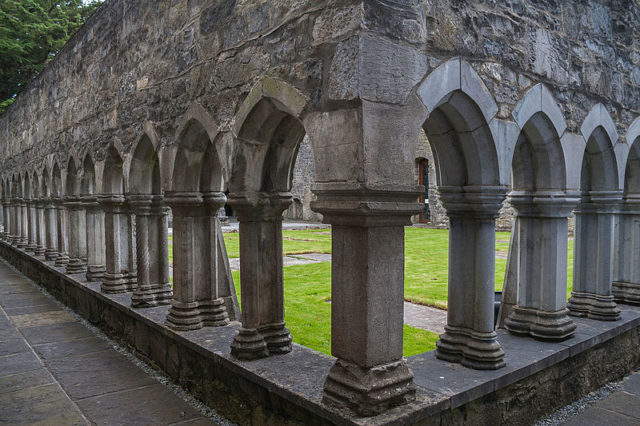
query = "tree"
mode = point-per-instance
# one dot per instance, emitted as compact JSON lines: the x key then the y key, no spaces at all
{"x":31,"y":33}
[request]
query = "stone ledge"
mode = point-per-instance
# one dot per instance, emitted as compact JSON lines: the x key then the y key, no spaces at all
{"x":289,"y":387}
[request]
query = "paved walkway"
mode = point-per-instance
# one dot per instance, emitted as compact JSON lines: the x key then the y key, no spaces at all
{"x":621,"y":408}
{"x":55,"y":371}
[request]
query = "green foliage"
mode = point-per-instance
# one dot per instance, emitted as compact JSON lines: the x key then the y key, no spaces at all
{"x":31,"y":33}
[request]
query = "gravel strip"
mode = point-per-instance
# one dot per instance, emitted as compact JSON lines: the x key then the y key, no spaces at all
{"x":160,"y":377}
{"x":572,"y":410}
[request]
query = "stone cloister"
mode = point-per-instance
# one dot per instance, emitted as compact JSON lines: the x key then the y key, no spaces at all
{"x":157,"y":109}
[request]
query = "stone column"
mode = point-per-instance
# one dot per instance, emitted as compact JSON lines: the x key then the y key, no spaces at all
{"x":469,"y":336}
{"x":15,"y":221}
{"x":132,"y":260}
{"x":32,"y":235}
{"x":541,"y":311}
{"x":7,"y":206}
{"x":51,"y":230}
{"x":61,"y":219}
{"x":95,"y":238}
{"x":593,"y":257}
{"x":195,"y":302}
{"x":117,"y":227}
{"x":626,"y":272}
{"x":152,"y":251}
{"x":40,"y":228}
{"x":77,"y":231}
{"x":23,"y":224}
{"x":5,"y":219}
{"x":263,"y":330}
{"x":367,"y":292}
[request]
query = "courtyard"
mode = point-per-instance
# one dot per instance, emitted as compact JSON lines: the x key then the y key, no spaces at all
{"x":307,"y":287}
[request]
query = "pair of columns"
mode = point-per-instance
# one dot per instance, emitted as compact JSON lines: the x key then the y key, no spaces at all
{"x":626,"y":273}
{"x":203,"y":293}
{"x":136,"y":254}
{"x":597,"y":218}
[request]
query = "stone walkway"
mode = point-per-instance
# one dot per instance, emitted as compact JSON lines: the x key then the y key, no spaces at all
{"x":620,"y":408}
{"x":54,"y":370}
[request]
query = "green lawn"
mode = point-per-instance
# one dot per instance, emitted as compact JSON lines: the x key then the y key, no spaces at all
{"x":308,"y":287}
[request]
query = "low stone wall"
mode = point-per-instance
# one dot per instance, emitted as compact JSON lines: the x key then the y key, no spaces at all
{"x":539,"y":378}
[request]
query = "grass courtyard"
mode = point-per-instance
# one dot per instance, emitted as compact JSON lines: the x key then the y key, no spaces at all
{"x":308,"y":287}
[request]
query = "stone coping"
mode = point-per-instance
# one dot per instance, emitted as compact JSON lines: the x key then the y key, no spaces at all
{"x":298,"y":377}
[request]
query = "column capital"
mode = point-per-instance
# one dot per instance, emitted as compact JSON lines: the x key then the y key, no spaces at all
{"x":631,"y":204}
{"x":601,"y":202}
{"x":73,"y":202}
{"x":481,"y":202}
{"x":260,"y":206}
{"x":544,"y":204}
{"x":147,"y":204}
{"x":355,"y":204}
{"x":113,"y":203}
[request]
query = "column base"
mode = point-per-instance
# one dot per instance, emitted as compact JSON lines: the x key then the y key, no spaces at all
{"x":368,"y":391}
{"x":62,"y":260}
{"x":95,"y":273}
{"x":21,"y":244}
{"x":115,"y":283}
{"x":39,"y":251}
{"x":480,"y":351}
{"x":625,"y":292}
{"x":76,"y":266}
{"x":150,"y":296}
{"x":277,"y":337}
{"x":195,"y":315}
{"x":30,"y":247}
{"x":594,"y":306}
{"x":249,"y":344}
{"x":50,"y":254}
{"x":539,"y":324}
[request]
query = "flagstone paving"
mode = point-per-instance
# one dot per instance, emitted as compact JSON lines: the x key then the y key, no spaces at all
{"x":54,"y":370}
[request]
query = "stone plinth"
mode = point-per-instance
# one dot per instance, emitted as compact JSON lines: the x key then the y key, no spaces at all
{"x":542,"y":228}
{"x":469,"y":336}
{"x":594,"y":256}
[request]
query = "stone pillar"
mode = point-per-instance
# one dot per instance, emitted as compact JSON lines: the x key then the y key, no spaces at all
{"x":32,"y":235}
{"x":543,"y":230}
{"x":7,"y":206}
{"x":367,"y":292}
{"x":469,"y":336}
{"x":40,"y":228}
{"x":63,"y":248}
{"x":263,"y":330}
{"x":196,"y":302}
{"x":51,"y":230}
{"x":152,"y":251}
{"x":626,"y":272}
{"x":95,"y":238}
{"x":77,"y":231}
{"x":5,"y":219}
{"x":23,"y":224}
{"x":593,"y":257}
{"x":132,"y":260}
{"x":16,"y":220}
{"x":117,"y":218}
